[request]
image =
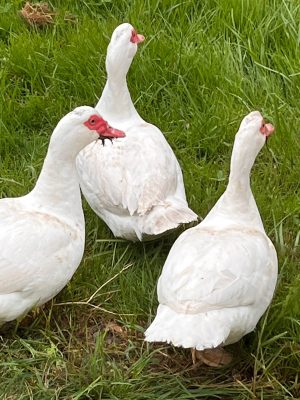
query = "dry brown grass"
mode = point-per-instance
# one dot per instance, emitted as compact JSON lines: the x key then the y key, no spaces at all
{"x":38,"y":14}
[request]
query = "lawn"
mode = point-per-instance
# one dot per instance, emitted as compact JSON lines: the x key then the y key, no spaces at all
{"x":203,"y":66}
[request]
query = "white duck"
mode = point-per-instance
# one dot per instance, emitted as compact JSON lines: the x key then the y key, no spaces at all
{"x":140,"y":191}
{"x":42,"y":234}
{"x":220,"y":276}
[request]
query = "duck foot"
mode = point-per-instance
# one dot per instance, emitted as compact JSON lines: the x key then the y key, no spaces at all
{"x":194,"y":356}
{"x":212,"y":357}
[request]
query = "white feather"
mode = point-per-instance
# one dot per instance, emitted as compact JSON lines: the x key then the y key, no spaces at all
{"x":42,"y":234}
{"x":135,"y":184}
{"x":219,"y":276}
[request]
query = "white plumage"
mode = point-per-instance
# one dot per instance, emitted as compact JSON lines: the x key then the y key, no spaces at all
{"x":134,"y":185}
{"x":220,"y":276}
{"x":42,"y":234}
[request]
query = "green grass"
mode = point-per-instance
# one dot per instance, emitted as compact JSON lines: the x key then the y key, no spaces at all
{"x":204,"y":65}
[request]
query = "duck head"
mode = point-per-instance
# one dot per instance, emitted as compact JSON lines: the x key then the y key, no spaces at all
{"x":250,"y":138}
{"x":79,"y":128}
{"x":122,"y":49}
{"x":254,"y":131}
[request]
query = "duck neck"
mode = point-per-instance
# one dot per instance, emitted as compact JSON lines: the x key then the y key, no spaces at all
{"x":115,"y":103}
{"x":239,"y":180}
{"x":238,"y":198}
{"x":57,"y":189}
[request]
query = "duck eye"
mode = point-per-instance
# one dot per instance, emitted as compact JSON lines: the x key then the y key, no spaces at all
{"x":92,"y":121}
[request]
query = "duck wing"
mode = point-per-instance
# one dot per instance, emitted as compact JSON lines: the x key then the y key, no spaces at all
{"x":210,"y":270}
{"x":131,"y":176}
{"x":37,"y":249}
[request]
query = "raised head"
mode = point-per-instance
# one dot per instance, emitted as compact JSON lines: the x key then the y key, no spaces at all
{"x":253,"y":128}
{"x":121,"y":49}
{"x":252,"y":134}
{"x":250,"y":138}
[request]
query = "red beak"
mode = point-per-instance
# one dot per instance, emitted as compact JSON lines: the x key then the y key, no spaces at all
{"x":267,"y":129}
{"x":105,"y":131}
{"x":136,"y":37}
{"x":112,"y":133}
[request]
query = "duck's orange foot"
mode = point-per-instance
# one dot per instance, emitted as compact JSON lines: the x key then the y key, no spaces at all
{"x":212,"y":357}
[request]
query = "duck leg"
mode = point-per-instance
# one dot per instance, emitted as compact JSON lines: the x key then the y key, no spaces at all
{"x":194,"y":356}
{"x":212,"y":357}
{"x":35,"y":312}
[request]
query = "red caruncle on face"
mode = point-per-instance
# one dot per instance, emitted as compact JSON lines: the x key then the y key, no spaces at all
{"x":96,"y":123}
{"x":136,"y":37}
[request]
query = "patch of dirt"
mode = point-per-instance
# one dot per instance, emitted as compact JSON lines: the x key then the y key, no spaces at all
{"x":116,"y":334}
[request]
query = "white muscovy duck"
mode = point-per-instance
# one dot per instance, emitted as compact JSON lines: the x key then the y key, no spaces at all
{"x":220,"y":276}
{"x":140,"y":192}
{"x":42,"y":234}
